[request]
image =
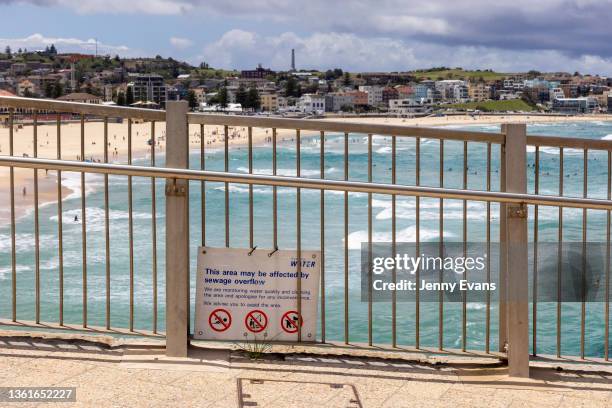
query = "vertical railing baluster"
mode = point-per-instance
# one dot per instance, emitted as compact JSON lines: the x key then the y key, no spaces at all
{"x":13,"y":232}
{"x":346,"y":243}
{"x":393,"y":245}
{"x":83,"y":225}
{"x":584,"y":254}
{"x":607,"y":289}
{"x":464,"y":224}
{"x":298,"y":227}
{"x":441,"y":250}
{"x":560,"y":255}
{"x":203,"y":183}
{"x":251,"y":229}
{"x":488,"y":238}
{"x":370,"y":312}
{"x":131,"y":227}
{"x":274,"y":195}
{"x":417,"y":239}
{"x":107,"y":231}
{"x":322,"y":246}
{"x":226,"y":168}
{"x":534,"y":302}
{"x":154,"y":228}
{"x":60,"y":222}
{"x":36,"y":219}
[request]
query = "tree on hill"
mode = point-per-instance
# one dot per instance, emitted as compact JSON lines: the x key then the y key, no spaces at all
{"x":290,"y":86}
{"x":222,"y":97}
{"x":129,"y":97}
{"x":253,"y":99}
{"x":192,"y":100}
{"x":7,"y":51}
{"x":242,"y":96}
{"x":58,"y":90}
{"x":121,"y":99}
{"x":347,"y":79}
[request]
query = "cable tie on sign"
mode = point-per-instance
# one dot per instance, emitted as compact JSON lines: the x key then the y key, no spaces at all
{"x":272,"y":253}
{"x":252,"y":250}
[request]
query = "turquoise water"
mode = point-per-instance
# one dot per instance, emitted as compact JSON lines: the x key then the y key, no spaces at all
{"x":334,"y":234}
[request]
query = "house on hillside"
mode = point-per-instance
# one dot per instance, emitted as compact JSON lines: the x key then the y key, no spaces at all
{"x":81,"y":97}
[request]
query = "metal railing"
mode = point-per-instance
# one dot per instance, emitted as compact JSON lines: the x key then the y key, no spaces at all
{"x":511,"y":195}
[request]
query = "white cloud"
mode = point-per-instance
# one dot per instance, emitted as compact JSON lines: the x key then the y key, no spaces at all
{"x":180,"y":43}
{"x":243,"y":49}
{"x":39,"y":41}
{"x":561,"y":34}
{"x":155,"y":7}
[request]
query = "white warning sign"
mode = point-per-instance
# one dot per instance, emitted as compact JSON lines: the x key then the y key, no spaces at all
{"x":245,"y":295}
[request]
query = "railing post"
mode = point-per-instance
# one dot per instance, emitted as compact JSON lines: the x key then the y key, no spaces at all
{"x":177,"y":232}
{"x":514,"y":252}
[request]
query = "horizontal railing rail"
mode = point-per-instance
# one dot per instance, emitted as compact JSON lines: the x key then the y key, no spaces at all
{"x":338,"y":126}
{"x":81,"y":108}
{"x":301,"y":182}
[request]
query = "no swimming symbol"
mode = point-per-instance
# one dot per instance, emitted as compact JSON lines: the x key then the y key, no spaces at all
{"x":220,"y":320}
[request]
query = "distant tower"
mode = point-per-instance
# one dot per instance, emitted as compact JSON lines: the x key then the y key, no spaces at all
{"x":293,"y":59}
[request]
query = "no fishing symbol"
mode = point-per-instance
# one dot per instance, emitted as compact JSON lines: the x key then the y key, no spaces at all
{"x":220,"y":320}
{"x":256,"y":321}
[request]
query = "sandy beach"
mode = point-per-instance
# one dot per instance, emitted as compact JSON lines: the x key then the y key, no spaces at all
{"x":141,"y":134}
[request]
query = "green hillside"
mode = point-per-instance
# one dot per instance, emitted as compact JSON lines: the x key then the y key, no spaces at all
{"x":458,"y":73}
{"x":494,"y":106}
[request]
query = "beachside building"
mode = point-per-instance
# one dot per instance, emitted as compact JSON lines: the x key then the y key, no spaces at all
{"x":610,"y":103}
{"x":335,"y":102}
{"x":374,"y":93}
{"x":404,"y":91}
{"x":406,"y":107}
{"x":258,"y":72}
{"x":148,"y":88}
{"x":81,"y":97}
{"x":388,"y":94}
{"x":569,"y":90}
{"x":269,"y":102}
{"x":478,"y":91}
{"x":574,"y":106}
{"x":360,"y":98}
{"x":556,"y":93}
{"x":452,"y":89}
{"x":311,"y":103}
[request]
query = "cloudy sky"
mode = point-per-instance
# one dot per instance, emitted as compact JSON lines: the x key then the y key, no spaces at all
{"x":357,"y":35}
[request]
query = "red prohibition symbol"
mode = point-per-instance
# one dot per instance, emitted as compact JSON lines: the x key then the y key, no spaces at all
{"x":220,"y":320}
{"x":256,"y":321}
{"x":290,"y":321}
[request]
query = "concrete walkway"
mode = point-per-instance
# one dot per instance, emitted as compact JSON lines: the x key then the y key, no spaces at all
{"x":140,"y":376}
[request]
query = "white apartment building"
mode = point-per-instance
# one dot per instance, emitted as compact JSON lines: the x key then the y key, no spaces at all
{"x":453,"y":89}
{"x":556,"y":93}
{"x":375,"y":94}
{"x":406,"y":107}
{"x":311,"y":103}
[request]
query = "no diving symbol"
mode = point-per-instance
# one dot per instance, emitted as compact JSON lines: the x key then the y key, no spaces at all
{"x":256,"y":321}
{"x":290,"y":321}
{"x":220,"y":320}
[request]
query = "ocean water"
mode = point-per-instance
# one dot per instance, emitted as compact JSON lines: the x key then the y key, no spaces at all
{"x":334,"y":234}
